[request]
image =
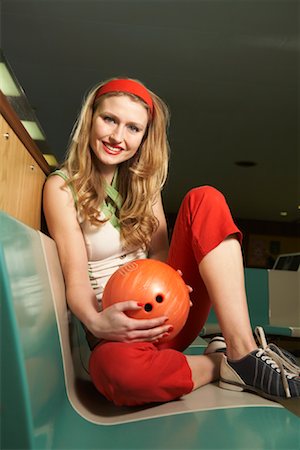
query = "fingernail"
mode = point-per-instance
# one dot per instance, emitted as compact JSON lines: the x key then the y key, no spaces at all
{"x":170,"y":329}
{"x":166,"y":319}
{"x":165,"y":334}
{"x":140,"y":304}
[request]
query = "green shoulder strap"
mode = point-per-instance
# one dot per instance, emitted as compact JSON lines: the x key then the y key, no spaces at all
{"x":109,"y":208}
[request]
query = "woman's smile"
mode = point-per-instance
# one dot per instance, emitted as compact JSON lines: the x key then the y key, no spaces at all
{"x":112,"y":150}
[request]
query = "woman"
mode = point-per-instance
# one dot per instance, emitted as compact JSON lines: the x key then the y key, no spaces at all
{"x":104,"y":209}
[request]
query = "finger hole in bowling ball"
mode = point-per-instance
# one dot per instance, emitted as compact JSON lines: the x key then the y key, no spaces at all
{"x":159,"y":298}
{"x":148,"y":307}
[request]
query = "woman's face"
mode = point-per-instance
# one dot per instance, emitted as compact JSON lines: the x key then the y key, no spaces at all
{"x":118,"y":127}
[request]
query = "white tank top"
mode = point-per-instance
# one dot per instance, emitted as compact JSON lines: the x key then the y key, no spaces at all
{"x":104,"y":248}
{"x":105,"y":253}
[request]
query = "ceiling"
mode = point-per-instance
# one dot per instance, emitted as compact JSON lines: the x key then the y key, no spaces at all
{"x":228,"y":69}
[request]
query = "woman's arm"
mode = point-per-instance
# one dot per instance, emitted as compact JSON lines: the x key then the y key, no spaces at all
{"x":64,"y":228}
{"x":159,"y":243}
{"x":112,"y":323}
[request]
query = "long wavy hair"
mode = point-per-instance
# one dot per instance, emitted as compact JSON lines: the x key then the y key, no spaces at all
{"x":140,"y":179}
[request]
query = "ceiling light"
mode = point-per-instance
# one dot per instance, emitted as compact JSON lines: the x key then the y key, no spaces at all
{"x":33,"y":130}
{"x":7,"y":83}
{"x":51,"y":159}
{"x":283,"y":213}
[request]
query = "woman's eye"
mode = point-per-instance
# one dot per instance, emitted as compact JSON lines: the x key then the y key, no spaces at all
{"x":133,"y":128}
{"x":108,"y":119}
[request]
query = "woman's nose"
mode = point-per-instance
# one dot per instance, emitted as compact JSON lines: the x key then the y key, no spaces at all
{"x":117,"y":134}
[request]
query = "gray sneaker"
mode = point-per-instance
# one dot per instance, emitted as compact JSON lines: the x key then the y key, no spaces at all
{"x":284,"y":354}
{"x":264,"y":371}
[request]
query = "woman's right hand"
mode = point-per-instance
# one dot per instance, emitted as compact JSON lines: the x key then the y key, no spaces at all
{"x":113,"y":324}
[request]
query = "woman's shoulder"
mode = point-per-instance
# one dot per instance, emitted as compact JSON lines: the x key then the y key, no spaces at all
{"x":58,"y":181}
{"x":59,"y":174}
{"x":54,"y":183}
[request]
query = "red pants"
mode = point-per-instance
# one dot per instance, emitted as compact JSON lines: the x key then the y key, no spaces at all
{"x":139,"y":373}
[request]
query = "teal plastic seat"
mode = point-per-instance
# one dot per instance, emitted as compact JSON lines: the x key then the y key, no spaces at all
{"x":48,"y":401}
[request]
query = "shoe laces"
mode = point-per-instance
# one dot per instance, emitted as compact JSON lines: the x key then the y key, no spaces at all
{"x":277,"y":360}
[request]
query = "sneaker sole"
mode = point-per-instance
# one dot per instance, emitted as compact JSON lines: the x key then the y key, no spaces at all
{"x":232,"y":386}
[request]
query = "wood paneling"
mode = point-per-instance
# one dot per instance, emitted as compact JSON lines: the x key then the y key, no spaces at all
{"x":23,"y":169}
{"x":13,"y":120}
{"x":21,"y":179}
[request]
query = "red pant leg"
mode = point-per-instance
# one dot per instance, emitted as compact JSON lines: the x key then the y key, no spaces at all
{"x":139,"y":373}
{"x":203,"y":222}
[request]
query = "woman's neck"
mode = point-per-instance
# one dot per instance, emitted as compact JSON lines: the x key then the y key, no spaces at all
{"x":107,"y":172}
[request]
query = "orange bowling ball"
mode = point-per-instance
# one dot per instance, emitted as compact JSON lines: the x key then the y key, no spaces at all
{"x":157,"y":286}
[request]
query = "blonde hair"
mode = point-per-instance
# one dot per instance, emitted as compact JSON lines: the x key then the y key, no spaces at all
{"x":140,"y":179}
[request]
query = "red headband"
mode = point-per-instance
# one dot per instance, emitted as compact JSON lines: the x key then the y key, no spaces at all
{"x":130,"y":86}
